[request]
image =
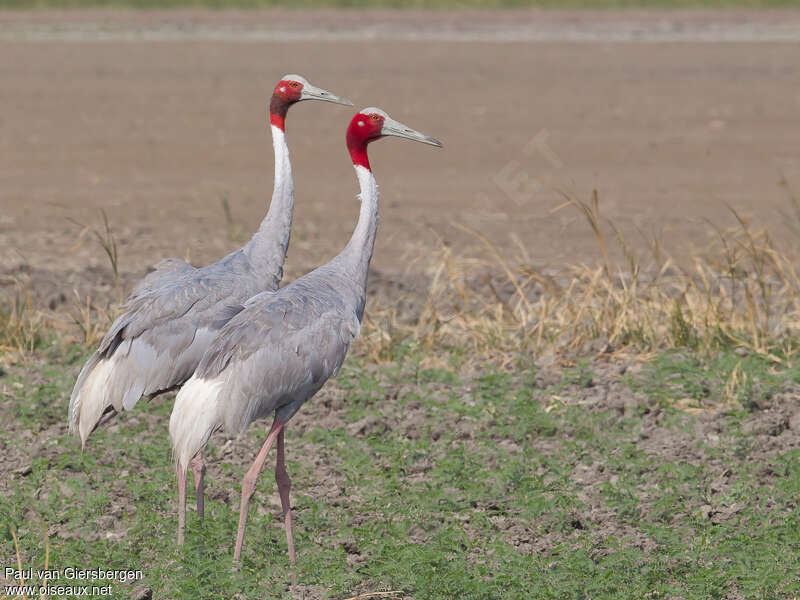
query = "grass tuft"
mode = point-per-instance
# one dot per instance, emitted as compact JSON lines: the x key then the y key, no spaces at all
{"x":741,"y":292}
{"x":108,"y":242}
{"x":90,"y":320}
{"x":21,"y":324}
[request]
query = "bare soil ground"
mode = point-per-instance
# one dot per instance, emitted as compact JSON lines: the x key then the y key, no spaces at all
{"x":158,"y":134}
{"x":609,"y":435}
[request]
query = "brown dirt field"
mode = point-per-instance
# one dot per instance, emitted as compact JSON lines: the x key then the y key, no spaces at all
{"x":159,"y":133}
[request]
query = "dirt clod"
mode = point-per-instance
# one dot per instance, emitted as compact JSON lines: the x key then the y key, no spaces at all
{"x":142,"y":592}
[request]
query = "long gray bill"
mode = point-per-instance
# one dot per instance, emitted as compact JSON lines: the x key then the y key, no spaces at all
{"x":311,"y":92}
{"x":392,"y":127}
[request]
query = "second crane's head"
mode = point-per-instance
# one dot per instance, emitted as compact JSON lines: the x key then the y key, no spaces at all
{"x":292,"y":89}
{"x":371,"y":124}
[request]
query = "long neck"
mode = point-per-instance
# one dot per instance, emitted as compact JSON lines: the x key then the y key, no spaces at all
{"x":267,"y":249}
{"x":358,"y":252}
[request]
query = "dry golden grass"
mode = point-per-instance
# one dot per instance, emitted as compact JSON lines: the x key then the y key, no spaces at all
{"x":108,"y":242}
{"x":87,"y":322}
{"x":21,"y":323}
{"x":18,"y":556}
{"x":740,"y":291}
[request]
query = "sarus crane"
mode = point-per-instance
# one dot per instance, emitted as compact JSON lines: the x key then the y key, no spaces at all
{"x":279,"y":348}
{"x":173,"y":314}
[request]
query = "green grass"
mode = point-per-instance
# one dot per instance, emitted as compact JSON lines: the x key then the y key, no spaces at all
{"x":400,"y":4}
{"x":723,"y":378}
{"x":487,"y":498}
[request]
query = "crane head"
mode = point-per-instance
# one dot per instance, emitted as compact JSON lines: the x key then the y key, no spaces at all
{"x":295,"y":88}
{"x":371,"y":124}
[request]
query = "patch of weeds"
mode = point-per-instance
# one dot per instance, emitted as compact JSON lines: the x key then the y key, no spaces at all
{"x":724,"y":379}
{"x":513,"y":498}
{"x":443,"y":376}
{"x":580,"y":375}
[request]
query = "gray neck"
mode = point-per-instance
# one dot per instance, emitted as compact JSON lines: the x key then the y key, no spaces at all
{"x":267,"y":249}
{"x":356,"y":255}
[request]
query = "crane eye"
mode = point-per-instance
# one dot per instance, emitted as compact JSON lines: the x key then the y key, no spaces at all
{"x":374,"y":117}
{"x":293,"y":84}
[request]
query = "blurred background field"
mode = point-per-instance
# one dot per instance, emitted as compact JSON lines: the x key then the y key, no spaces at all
{"x":400,"y":4}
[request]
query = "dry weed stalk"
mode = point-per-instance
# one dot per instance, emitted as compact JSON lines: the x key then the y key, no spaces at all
{"x":90,"y":320}
{"x":20,"y":323}
{"x":741,"y":291}
{"x":18,"y":555}
{"x":370,"y":595}
{"x":108,"y":242}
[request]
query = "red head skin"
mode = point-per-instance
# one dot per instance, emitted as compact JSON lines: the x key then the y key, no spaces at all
{"x":362,"y":130}
{"x":286,"y":93}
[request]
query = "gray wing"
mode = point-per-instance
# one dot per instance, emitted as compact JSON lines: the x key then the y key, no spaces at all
{"x":157,"y":342}
{"x":276,"y":353}
{"x":167,"y":271}
{"x":186,"y":300}
{"x":169,"y":320}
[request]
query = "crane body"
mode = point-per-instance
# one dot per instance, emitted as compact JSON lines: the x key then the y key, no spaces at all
{"x":172,"y":315}
{"x":279,"y":348}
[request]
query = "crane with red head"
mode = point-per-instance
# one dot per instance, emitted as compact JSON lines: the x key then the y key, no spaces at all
{"x":173,"y":314}
{"x":280,"y":348}
{"x":292,"y":89}
{"x":371,"y":124}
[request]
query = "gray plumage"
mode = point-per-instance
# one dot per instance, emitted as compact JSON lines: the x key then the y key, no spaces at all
{"x":172,"y":315}
{"x":280,"y":347}
{"x":169,"y":269}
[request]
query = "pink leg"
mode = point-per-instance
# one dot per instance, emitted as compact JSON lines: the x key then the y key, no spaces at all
{"x":181,"y":502}
{"x":249,"y":485}
{"x":198,"y":466}
{"x":284,"y":485}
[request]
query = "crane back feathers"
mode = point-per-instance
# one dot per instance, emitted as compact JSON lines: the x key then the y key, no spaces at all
{"x":170,"y":317}
{"x":167,"y":271}
{"x":156,"y":344}
{"x":272,"y":356}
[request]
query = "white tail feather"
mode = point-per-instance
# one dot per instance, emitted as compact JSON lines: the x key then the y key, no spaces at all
{"x":88,"y":401}
{"x":106,"y":382}
{"x":194,"y":418}
{"x":135,"y":369}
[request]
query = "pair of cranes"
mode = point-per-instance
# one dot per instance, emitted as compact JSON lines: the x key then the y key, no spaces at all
{"x":242,"y":348}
